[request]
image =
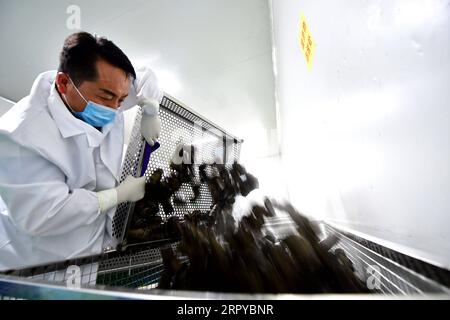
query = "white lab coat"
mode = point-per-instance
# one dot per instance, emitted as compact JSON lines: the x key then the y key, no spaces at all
{"x":51,"y":166}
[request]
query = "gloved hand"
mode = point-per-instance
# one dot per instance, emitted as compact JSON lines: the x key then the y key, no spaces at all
{"x":145,"y":85}
{"x":150,"y":122}
{"x":131,"y":189}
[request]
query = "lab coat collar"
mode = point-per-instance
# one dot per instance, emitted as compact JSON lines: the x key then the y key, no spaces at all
{"x":69,"y":125}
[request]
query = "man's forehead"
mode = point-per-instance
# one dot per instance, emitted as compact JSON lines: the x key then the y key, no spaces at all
{"x":112,"y":78}
{"x":118,"y":85}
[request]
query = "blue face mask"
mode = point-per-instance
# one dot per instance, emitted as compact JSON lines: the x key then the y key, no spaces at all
{"x":95,"y":114}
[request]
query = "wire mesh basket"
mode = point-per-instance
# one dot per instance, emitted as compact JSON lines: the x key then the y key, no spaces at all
{"x":179,"y":125}
{"x":392,"y":272}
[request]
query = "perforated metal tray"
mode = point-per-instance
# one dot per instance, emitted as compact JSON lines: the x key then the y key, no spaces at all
{"x":179,"y":124}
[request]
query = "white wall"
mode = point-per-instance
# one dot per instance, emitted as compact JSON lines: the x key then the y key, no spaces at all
{"x":366,"y":132}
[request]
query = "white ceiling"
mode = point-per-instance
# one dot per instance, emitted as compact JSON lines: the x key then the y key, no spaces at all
{"x":215,"y":56}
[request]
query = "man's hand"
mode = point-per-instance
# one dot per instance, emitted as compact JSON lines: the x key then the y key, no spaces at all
{"x":150,"y":122}
{"x":131,"y":189}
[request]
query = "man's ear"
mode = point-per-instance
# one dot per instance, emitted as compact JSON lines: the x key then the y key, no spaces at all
{"x":61,"y":82}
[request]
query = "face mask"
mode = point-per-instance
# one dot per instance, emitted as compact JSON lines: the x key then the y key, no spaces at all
{"x":95,"y":114}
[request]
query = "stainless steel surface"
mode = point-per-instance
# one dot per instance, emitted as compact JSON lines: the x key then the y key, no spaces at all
{"x":13,"y":288}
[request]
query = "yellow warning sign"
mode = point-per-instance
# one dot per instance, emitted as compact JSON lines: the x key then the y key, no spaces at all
{"x":307,"y":43}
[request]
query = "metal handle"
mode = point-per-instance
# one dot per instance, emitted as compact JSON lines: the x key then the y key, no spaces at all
{"x":148,"y":150}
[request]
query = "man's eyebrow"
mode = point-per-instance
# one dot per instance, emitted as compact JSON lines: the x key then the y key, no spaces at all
{"x":108,"y":92}
{"x":111,"y":93}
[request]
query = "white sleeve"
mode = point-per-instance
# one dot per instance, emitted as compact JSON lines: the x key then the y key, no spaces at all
{"x":146,"y":84}
{"x":38,"y":200}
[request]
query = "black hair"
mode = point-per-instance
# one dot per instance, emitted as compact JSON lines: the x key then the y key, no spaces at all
{"x":81,"y":51}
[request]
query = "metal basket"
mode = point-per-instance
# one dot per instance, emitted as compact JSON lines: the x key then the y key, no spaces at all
{"x":388,"y":272}
{"x":395,"y":272}
{"x":179,"y":124}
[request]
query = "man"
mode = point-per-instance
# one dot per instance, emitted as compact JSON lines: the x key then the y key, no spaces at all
{"x":61,"y":150}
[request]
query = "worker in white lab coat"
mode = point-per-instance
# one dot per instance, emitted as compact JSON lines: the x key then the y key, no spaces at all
{"x":61,"y":150}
